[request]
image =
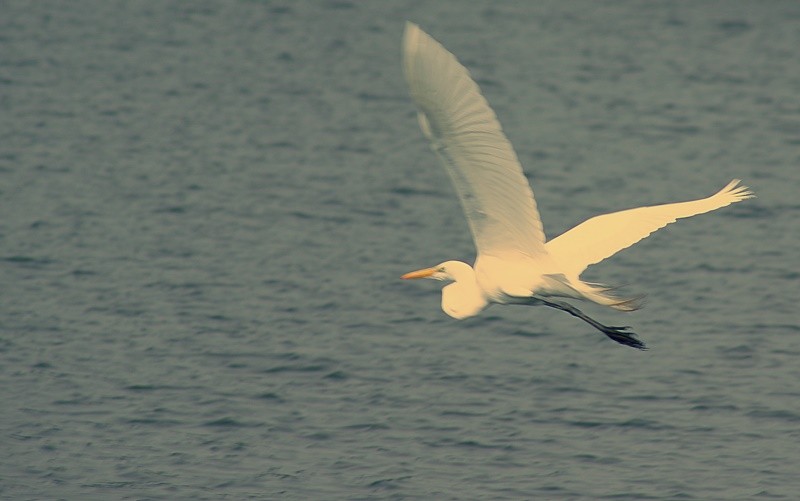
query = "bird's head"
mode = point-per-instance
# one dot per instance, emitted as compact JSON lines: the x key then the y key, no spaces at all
{"x":463,"y":297}
{"x":450,"y":271}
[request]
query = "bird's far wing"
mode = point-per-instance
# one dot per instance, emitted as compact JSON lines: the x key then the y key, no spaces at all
{"x":466,"y":136}
{"x":603,"y":236}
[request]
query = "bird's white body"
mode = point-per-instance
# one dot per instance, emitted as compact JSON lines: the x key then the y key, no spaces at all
{"x":494,"y":280}
{"x":515,"y":264}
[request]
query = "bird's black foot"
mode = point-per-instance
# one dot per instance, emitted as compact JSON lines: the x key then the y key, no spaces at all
{"x":623,"y":336}
{"x":619,"y":334}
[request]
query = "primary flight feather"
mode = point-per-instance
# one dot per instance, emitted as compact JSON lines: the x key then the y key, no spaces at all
{"x":514,"y":264}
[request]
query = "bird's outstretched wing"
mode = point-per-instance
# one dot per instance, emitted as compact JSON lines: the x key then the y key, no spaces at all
{"x":603,"y":236}
{"x":466,"y":136}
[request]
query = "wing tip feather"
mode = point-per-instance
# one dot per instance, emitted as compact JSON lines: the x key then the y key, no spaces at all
{"x":736,"y":192}
{"x":410,"y":35}
{"x":410,"y":42}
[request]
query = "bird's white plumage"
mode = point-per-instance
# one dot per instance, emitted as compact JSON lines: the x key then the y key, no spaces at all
{"x":514,"y":264}
{"x":467,"y":138}
{"x":603,"y":236}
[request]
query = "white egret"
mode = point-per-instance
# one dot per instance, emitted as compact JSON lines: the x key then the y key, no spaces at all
{"x":514,"y":264}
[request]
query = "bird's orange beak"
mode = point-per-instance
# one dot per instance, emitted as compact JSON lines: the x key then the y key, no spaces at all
{"x":425,"y":273}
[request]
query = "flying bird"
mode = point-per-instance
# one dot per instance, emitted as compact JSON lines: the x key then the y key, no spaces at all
{"x":515,"y":264}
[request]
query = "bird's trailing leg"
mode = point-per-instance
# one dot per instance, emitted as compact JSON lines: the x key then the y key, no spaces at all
{"x":619,"y":334}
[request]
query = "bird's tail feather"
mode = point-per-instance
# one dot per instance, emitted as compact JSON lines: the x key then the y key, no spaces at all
{"x":609,"y":296}
{"x":604,"y":295}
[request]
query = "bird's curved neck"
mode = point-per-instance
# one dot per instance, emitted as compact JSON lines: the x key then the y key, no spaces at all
{"x":463,"y":298}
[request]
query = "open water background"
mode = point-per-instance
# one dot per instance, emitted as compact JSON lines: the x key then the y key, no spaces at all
{"x":205,"y":208}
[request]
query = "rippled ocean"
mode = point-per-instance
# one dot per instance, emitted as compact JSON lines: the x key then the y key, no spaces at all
{"x":205,"y":208}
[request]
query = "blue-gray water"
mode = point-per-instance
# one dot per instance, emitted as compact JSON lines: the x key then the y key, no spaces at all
{"x":205,"y":208}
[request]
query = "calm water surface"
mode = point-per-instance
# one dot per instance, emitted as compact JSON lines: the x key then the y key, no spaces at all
{"x":205,"y":208}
